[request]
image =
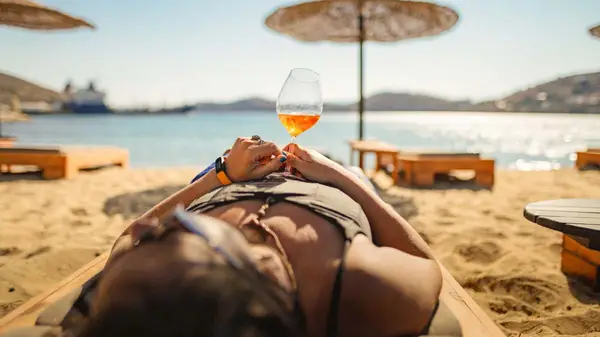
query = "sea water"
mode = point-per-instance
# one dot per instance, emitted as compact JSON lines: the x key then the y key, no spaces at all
{"x":516,"y":140}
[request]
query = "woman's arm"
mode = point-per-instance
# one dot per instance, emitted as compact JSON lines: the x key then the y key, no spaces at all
{"x":243,"y":156}
{"x":389,"y":228}
{"x":153,"y":217}
{"x":184,"y":196}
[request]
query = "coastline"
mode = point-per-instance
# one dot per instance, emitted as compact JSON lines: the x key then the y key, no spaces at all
{"x":9,"y":116}
{"x":507,"y":264}
{"x":175,"y":111}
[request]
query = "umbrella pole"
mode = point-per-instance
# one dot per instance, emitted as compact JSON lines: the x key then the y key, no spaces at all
{"x":361,"y":105}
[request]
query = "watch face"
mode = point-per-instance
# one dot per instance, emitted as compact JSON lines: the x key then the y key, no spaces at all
{"x":220,"y":164}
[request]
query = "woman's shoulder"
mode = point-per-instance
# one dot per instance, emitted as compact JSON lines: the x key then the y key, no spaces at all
{"x":395,"y":281}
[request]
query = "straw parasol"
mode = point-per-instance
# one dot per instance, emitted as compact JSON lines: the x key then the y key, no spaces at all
{"x":357,"y":21}
{"x":32,"y":15}
{"x":595,"y":31}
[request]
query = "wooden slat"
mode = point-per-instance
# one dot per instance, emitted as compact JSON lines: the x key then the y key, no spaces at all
{"x":473,"y":320}
{"x":580,"y":217}
{"x":542,"y":220}
{"x":576,"y":203}
{"x":574,"y":265}
{"x":585,"y":158}
{"x":592,"y":232}
{"x":372,"y":145}
{"x":26,"y":314}
{"x":578,"y":249}
{"x":557,"y":212}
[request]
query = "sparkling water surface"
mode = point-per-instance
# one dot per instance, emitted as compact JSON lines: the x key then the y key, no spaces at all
{"x":516,"y":140}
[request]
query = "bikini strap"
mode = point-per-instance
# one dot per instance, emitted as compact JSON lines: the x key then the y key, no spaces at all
{"x":336,"y":294}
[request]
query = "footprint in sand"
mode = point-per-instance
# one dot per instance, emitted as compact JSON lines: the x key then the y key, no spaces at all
{"x":80,"y":223}
{"x":503,"y":217}
{"x":555,"y":248}
{"x":504,"y":304}
{"x":444,"y":212}
{"x":483,"y":252}
{"x":445,"y":222}
{"x":41,"y":250}
{"x":543,"y":294}
{"x":79,"y":211}
{"x":562,"y":325}
{"x":488,"y":232}
{"x":8,"y":251}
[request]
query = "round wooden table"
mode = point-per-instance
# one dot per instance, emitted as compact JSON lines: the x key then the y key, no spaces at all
{"x":576,"y":217}
{"x":579,"y":221}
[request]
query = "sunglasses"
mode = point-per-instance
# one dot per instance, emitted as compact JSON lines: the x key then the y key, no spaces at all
{"x":225,"y":241}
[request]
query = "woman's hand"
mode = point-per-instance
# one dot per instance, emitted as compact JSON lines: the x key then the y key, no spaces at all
{"x":252,"y":159}
{"x":313,"y":165}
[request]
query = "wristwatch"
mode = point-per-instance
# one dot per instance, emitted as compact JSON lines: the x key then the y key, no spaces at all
{"x":220,"y":169}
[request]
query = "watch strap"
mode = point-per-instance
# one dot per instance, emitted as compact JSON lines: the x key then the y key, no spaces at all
{"x":220,"y":167}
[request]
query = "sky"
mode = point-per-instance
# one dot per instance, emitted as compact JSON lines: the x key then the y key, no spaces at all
{"x":168,"y":52}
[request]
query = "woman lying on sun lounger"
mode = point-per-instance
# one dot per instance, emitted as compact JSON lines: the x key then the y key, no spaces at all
{"x":317,"y":254}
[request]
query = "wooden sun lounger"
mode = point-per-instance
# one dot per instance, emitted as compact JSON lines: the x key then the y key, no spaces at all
{"x":7,"y":141}
{"x":473,"y":321}
{"x":420,"y":170}
{"x":63,"y":162}
{"x":589,"y":157}
{"x":421,"y":165}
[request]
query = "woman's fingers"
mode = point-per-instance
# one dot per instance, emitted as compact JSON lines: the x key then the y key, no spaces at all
{"x":267,"y":149}
{"x":269,"y":167}
{"x":296,"y":162}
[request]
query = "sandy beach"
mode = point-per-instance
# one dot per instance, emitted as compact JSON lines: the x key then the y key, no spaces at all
{"x":509,"y":265}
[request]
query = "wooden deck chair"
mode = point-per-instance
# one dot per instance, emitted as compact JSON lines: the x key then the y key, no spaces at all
{"x":588,"y":158}
{"x":57,"y":311}
{"x":62,"y":162}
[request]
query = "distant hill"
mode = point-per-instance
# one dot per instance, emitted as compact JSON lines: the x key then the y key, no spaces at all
{"x":571,"y":94}
{"x":27,"y":91}
{"x":378,"y":102}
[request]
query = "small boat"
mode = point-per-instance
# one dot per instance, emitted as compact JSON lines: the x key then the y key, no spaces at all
{"x":179,"y":109}
{"x":85,"y":101}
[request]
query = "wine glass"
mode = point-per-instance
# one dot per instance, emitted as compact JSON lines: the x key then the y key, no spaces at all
{"x":300,"y":103}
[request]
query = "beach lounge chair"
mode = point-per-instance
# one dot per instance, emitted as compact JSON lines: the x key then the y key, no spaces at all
{"x":589,"y":157}
{"x":420,"y":166}
{"x":62,"y":308}
{"x":63,"y":162}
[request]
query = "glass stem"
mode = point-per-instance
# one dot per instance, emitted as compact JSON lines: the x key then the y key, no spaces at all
{"x":293,"y":140}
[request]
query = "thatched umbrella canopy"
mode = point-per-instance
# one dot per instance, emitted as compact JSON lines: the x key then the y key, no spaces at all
{"x":357,"y":21}
{"x":595,"y":31}
{"x":32,"y":15}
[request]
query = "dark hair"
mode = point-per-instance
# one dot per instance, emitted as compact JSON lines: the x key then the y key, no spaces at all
{"x":215,"y":302}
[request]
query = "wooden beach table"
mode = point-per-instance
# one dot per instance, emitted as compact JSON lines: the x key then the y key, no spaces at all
{"x":589,"y":157}
{"x":579,"y":221}
{"x":63,"y":162}
{"x":46,"y":311}
{"x":379,"y":148}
